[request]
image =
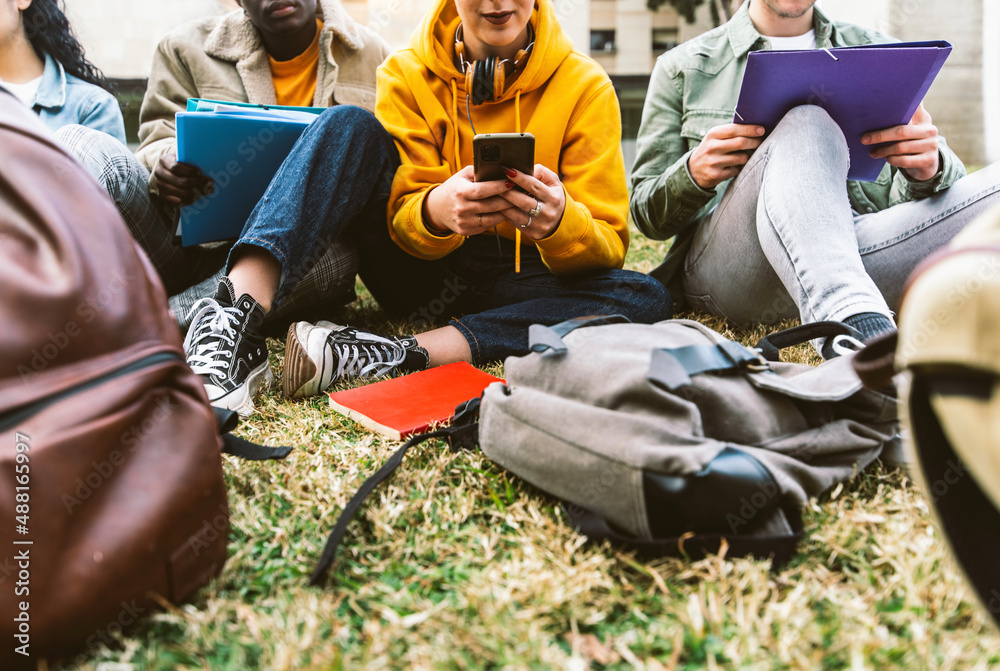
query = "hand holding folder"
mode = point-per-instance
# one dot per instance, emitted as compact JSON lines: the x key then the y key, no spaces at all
{"x":865,"y":88}
{"x":240,"y":147}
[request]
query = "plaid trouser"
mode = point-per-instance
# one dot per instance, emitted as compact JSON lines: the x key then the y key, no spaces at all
{"x":192,"y":273}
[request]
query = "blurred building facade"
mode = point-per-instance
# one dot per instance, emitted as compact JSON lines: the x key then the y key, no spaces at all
{"x":625,"y":37}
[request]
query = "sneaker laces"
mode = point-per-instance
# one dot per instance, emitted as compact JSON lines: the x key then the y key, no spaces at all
{"x":377,"y":356}
{"x":211,"y":326}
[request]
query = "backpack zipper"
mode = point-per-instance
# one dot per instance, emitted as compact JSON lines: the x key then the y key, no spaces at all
{"x":11,"y":419}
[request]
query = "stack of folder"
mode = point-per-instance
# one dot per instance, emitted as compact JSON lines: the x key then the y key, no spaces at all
{"x":240,"y":146}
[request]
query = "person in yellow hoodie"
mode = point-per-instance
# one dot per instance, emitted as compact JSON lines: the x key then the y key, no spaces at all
{"x":435,"y":244}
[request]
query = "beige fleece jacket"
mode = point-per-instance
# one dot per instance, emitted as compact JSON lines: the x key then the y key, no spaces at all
{"x":223,"y":58}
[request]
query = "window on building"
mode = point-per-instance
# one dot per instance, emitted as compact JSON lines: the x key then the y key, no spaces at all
{"x":602,"y":41}
{"x":664,"y":39}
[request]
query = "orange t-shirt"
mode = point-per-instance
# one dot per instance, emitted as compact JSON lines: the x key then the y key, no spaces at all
{"x":295,"y":80}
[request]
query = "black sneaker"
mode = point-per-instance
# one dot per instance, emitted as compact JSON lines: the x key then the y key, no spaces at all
{"x":318,"y":355}
{"x":225,"y":348}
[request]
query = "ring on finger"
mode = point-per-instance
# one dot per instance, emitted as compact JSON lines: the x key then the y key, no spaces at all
{"x":529,"y":222}
{"x":536,"y":210}
{"x":480,"y":221}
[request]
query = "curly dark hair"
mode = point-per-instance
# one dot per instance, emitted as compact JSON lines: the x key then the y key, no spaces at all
{"x":48,"y":30}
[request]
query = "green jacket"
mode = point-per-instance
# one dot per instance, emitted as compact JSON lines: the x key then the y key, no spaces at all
{"x":694,"y":88}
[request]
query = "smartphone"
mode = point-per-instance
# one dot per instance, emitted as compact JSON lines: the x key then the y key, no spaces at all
{"x":492,"y":152}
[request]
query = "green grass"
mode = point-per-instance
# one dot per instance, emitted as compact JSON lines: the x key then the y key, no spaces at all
{"x":457,"y":564}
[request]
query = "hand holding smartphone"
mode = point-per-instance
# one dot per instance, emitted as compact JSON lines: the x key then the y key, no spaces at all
{"x":492,"y":152}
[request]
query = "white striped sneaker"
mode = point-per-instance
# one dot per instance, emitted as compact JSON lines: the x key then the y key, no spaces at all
{"x":317,"y":355}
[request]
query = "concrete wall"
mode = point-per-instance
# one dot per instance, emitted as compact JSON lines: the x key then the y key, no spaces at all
{"x":991,"y":80}
{"x":395,"y":20}
{"x":574,"y":16}
{"x":120,"y":36}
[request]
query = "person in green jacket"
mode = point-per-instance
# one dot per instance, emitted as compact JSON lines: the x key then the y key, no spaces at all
{"x":770,"y":228}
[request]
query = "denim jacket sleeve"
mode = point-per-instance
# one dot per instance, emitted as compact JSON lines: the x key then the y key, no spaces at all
{"x":665,"y":198}
{"x":950,"y":171}
{"x":104,"y":115}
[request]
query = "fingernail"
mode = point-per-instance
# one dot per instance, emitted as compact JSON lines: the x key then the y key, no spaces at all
{"x":760,"y":130}
{"x":511,"y":172}
{"x":509,"y":184}
{"x":866,"y":139}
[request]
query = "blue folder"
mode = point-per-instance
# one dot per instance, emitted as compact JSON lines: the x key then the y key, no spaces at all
{"x":241,"y":147}
{"x":863,"y":88}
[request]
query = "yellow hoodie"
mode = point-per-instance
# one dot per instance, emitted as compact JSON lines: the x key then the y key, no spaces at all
{"x":562,"y":97}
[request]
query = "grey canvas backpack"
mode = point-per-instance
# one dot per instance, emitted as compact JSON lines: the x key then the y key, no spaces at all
{"x":669,"y":437}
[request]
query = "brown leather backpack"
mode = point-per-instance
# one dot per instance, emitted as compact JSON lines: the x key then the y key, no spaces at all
{"x":111,"y":488}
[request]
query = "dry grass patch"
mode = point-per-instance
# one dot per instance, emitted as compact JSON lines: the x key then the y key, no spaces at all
{"x":456,"y":564}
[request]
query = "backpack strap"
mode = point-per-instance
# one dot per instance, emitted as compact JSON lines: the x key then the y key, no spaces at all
{"x":462,"y":434}
{"x":542,"y":338}
{"x":672,"y":369}
{"x":241,"y":447}
{"x":770,"y":346}
{"x":250,"y":451}
{"x":876,"y":363}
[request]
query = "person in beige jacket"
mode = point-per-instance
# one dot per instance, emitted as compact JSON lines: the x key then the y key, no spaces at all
{"x":302,"y":52}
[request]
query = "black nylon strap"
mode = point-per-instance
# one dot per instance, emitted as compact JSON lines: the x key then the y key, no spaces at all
{"x":597,"y":529}
{"x":771,"y":345}
{"x":541,"y":338}
{"x":965,"y":510}
{"x":388,"y":468}
{"x":240,"y":447}
{"x":225,"y":419}
{"x":673,"y":368}
{"x":974,"y":384}
{"x":876,"y":363}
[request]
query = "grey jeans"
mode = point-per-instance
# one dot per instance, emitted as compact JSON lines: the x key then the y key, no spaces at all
{"x":785,"y":243}
{"x":191,"y":273}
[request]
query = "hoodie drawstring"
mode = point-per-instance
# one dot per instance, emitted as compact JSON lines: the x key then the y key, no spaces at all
{"x":454,"y":118}
{"x":517,"y":229}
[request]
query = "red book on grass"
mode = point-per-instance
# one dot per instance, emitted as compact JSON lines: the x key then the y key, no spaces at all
{"x":401,"y":406}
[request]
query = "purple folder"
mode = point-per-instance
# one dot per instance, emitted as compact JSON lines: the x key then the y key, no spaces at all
{"x":863,"y":89}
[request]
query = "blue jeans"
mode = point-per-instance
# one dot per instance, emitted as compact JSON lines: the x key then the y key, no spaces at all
{"x":336,"y":182}
{"x":784,"y":242}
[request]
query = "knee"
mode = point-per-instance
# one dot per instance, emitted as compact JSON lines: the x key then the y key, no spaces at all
{"x":643,"y":298}
{"x":810,"y":118}
{"x":811,"y":122}
{"x":354,"y":125}
{"x":87,"y":143}
{"x":350,"y":119}
{"x":811,"y":126}
{"x":106,"y":159}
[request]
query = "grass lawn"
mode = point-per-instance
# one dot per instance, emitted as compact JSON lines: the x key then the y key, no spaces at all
{"x":456,"y":564}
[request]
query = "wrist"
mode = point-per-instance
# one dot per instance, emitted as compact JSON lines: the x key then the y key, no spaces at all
{"x":694,"y":182}
{"x":425,"y":214}
{"x":434,"y":229}
{"x":922,"y":176}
